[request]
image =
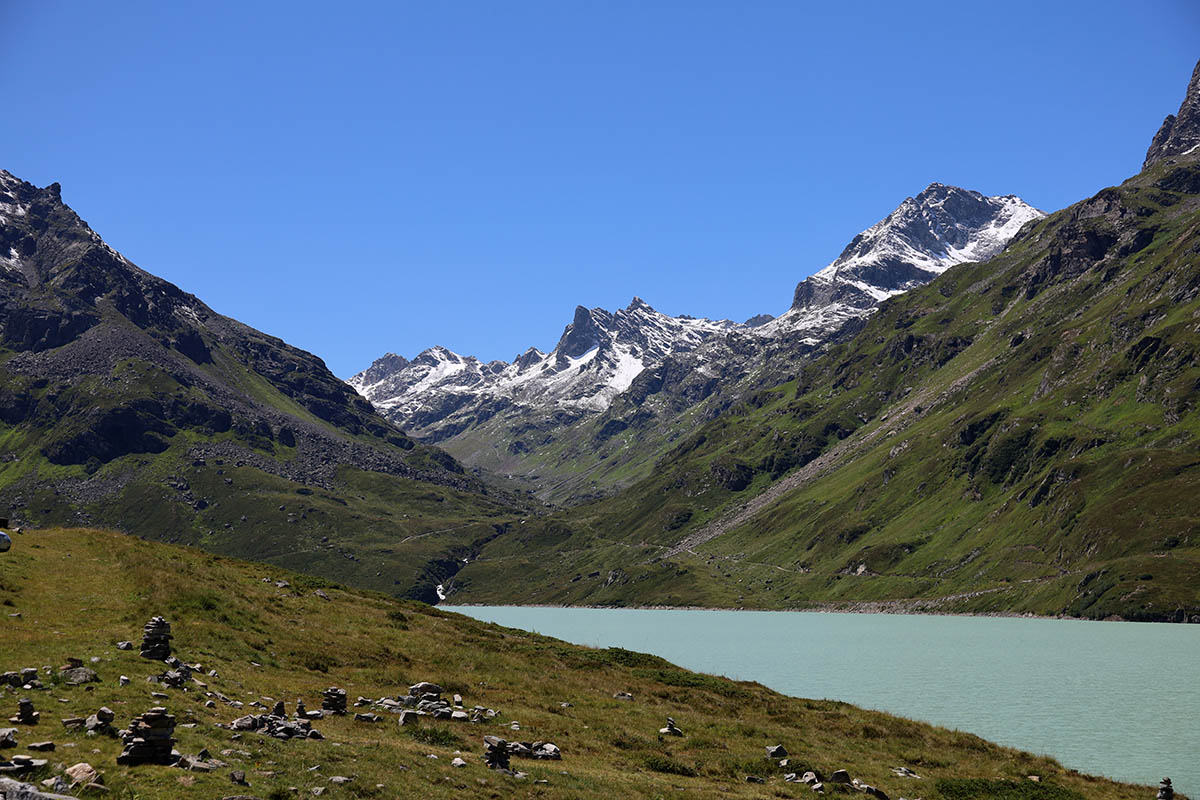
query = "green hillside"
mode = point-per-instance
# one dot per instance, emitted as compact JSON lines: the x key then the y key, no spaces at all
{"x":270,"y":635}
{"x":1020,"y":435}
{"x":127,"y":403}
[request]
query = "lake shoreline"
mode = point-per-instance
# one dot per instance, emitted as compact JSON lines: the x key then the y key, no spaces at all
{"x":857,"y":608}
{"x":1050,"y":685}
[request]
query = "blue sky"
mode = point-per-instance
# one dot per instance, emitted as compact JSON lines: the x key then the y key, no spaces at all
{"x":367,"y":177}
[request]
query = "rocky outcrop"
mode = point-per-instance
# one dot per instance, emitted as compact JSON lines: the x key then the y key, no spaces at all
{"x":1180,"y":132}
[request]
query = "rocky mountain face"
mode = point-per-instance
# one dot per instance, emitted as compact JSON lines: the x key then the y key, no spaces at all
{"x":1180,"y":132}
{"x":595,"y":411}
{"x":440,"y":393}
{"x":926,"y":235}
{"x":129,"y":402}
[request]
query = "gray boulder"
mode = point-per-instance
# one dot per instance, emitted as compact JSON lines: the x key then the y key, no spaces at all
{"x":14,"y":790}
{"x":77,"y":676}
{"x":840,"y":776}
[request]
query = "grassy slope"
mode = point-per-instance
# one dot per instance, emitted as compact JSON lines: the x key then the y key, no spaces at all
{"x":80,"y":591}
{"x":367,"y":517}
{"x":1025,"y":428}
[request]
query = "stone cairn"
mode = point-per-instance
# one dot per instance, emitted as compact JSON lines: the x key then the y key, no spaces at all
{"x":333,"y":700}
{"x":100,"y":723}
{"x":156,"y":639}
{"x":1165,"y":790}
{"x":25,"y":713}
{"x":495,"y":752}
{"x":149,"y":739}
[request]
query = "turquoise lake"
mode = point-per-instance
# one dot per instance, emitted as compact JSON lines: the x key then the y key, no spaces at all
{"x":1120,"y":699}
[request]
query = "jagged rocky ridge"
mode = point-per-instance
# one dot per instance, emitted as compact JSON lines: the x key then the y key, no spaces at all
{"x":552,"y":417}
{"x":1180,"y":132}
{"x":597,"y":357}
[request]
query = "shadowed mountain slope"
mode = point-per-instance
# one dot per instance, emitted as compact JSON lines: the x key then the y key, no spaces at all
{"x":128,"y":402}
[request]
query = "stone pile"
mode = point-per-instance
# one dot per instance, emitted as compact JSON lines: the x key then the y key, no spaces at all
{"x":25,"y":713}
{"x":546,"y":751}
{"x":495,"y":752}
{"x":100,"y":723}
{"x":20,"y":764}
{"x":333,"y":700}
{"x":25,"y":679}
{"x":156,"y":639}
{"x":149,"y":739}
{"x":671,"y":728}
{"x":278,"y":727}
{"x":426,"y":698}
{"x":178,"y":676}
{"x":1165,"y":790}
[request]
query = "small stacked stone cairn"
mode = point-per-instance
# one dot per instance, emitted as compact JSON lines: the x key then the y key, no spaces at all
{"x":426,"y":698}
{"x":156,"y":639}
{"x":333,"y":700}
{"x":495,"y":752}
{"x":100,"y":723}
{"x":25,"y":713}
{"x":1165,"y":790}
{"x":149,"y":739}
{"x":671,"y":728}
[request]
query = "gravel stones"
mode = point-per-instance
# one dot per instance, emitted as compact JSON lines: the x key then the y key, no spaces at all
{"x":156,"y":639}
{"x":149,"y":739}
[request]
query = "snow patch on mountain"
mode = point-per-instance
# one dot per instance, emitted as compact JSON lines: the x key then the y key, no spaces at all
{"x":440,"y":393}
{"x":597,"y":358}
{"x":925,"y":236}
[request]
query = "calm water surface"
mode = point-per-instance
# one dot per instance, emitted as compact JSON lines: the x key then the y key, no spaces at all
{"x":1120,"y":699}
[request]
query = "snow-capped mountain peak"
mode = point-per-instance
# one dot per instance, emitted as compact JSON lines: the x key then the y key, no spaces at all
{"x":504,"y":409}
{"x":925,"y":235}
{"x":597,"y":357}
